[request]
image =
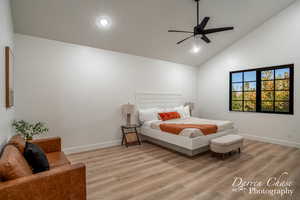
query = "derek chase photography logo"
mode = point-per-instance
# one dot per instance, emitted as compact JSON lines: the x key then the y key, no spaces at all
{"x":279,"y":185}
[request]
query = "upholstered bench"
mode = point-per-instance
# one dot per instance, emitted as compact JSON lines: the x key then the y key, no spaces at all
{"x":226,"y":144}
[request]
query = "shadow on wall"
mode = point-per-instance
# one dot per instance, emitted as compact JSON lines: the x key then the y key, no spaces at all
{"x":3,"y":142}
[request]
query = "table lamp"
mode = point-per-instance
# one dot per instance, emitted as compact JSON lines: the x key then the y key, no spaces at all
{"x":127,"y":111}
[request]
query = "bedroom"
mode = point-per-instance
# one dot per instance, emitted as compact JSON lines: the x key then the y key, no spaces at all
{"x":75,"y":64}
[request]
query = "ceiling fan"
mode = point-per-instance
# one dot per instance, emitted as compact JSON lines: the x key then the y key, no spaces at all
{"x":199,"y":29}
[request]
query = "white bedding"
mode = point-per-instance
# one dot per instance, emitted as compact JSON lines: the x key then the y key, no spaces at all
{"x":191,"y":132}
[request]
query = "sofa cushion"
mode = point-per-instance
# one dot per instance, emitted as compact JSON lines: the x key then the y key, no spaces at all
{"x":36,"y":158}
{"x":57,"y":159}
{"x":12,"y":164}
{"x":18,"y":142}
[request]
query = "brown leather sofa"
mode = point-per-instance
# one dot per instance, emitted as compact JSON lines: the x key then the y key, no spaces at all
{"x":63,"y":181}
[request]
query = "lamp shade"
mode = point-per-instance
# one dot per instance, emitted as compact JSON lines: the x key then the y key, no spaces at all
{"x":128,"y":109}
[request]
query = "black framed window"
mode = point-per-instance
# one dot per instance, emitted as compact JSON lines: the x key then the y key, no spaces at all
{"x":267,"y":90}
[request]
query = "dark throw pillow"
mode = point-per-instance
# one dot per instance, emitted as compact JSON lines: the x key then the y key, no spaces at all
{"x":36,"y":158}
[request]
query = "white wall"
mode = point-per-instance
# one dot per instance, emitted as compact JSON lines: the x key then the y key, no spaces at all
{"x":274,"y":43}
{"x":78,"y":90}
{"x":6,"y":39}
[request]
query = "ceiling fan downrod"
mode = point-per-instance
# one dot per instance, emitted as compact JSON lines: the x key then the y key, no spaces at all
{"x":197,"y":11}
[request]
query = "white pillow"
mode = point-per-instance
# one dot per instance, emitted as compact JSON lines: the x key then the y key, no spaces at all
{"x":148,"y":114}
{"x":181,"y":111}
{"x":187,"y":113}
{"x":178,"y":108}
{"x":168,"y":110}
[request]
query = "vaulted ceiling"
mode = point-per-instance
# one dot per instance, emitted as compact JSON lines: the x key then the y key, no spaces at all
{"x":139,"y":27}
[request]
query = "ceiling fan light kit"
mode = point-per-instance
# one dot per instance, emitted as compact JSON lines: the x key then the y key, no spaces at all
{"x":199,"y":29}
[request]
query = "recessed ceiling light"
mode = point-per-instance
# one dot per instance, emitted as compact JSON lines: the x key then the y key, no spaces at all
{"x":196,"y":49}
{"x":103,"y":22}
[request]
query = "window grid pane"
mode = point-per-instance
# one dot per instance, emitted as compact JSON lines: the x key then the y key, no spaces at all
{"x":267,"y":106}
{"x":282,"y":73}
{"x":267,"y":75}
{"x":282,"y":106}
{"x":282,"y":85}
{"x":250,"y":86}
{"x":237,"y":87}
{"x":250,"y":106}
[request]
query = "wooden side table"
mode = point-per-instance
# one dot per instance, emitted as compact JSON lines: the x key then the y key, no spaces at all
{"x":130,"y":135}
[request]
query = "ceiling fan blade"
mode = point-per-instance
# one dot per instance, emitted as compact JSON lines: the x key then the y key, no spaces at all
{"x":175,"y":31}
{"x":205,"y":39}
{"x":185,"y":39}
{"x":215,"y":30}
{"x":204,"y":22}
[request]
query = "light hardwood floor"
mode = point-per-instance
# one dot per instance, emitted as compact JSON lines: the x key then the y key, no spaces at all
{"x":153,"y":173}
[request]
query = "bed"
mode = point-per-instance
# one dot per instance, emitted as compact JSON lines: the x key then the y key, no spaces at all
{"x":187,"y":144}
{"x":183,"y":144}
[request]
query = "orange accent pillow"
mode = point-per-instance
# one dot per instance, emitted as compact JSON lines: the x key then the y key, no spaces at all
{"x":169,"y":115}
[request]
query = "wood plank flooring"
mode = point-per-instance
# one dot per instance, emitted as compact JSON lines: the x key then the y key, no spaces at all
{"x":149,"y":172}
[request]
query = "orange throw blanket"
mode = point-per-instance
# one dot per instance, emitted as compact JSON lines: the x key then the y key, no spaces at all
{"x":206,"y":129}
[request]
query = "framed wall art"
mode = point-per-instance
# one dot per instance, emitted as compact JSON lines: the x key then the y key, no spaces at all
{"x":9,"y":78}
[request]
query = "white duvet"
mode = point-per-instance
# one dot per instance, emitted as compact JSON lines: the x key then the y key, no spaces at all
{"x":192,"y":132}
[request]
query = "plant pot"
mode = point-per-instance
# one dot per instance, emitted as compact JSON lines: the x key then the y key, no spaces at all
{"x":28,"y":138}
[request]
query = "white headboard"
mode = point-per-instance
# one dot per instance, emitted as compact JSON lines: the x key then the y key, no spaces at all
{"x":158,"y":100}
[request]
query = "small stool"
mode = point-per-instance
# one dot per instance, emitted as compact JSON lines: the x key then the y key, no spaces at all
{"x":226,"y":144}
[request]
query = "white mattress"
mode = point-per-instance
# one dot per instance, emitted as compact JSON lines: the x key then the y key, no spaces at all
{"x":191,"y":132}
{"x":224,"y":128}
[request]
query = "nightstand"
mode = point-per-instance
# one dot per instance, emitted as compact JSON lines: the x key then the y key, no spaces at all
{"x":130,"y":134}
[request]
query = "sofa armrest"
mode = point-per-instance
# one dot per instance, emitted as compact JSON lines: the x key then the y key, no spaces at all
{"x":48,"y":145}
{"x":61,"y":183}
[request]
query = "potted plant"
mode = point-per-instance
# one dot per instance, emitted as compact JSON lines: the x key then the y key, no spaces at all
{"x":28,"y":130}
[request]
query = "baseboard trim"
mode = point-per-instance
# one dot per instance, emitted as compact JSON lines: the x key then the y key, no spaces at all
{"x":271,"y":140}
{"x":90,"y":147}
